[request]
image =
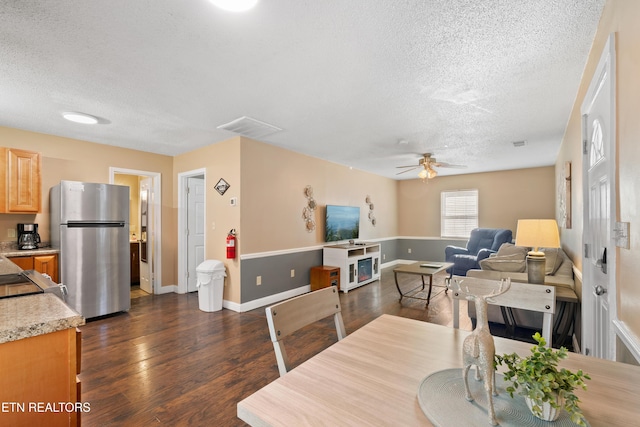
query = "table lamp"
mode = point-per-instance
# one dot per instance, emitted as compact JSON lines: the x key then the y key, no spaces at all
{"x":537,"y":233}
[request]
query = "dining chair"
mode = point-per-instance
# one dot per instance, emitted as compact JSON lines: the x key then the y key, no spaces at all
{"x":524,"y":296}
{"x":291,"y":315}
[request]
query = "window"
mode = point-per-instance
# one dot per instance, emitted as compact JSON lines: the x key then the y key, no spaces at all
{"x":459,"y":213}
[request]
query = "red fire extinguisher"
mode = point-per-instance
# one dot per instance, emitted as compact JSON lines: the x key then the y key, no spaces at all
{"x":231,"y":244}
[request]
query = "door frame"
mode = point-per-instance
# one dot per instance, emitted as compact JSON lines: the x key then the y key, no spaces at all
{"x":607,"y":63}
{"x":156,"y":260}
{"x":182,"y":223}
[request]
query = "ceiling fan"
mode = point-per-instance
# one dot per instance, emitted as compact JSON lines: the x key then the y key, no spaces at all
{"x":427,"y":165}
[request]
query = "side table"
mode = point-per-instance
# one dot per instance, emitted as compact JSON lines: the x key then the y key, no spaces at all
{"x":324,"y":276}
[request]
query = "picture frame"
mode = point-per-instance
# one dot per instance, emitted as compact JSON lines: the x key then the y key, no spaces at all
{"x":222,"y":186}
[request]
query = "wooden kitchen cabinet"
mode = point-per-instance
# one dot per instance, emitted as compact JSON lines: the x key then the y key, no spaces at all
{"x":135,"y":262}
{"x":37,"y":371}
{"x":20,"y":181}
{"x":47,"y":264}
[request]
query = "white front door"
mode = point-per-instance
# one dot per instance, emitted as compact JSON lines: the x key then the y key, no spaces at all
{"x":195,"y":229}
{"x":599,"y":263}
{"x":146,"y":235}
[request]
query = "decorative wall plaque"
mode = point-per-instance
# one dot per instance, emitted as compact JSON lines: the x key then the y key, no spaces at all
{"x":222,"y":186}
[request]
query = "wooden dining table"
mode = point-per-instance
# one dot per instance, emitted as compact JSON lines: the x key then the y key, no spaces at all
{"x":372,"y":377}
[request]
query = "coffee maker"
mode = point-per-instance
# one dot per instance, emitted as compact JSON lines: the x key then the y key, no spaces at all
{"x":28,"y":237}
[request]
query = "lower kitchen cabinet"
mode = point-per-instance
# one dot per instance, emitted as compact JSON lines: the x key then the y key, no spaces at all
{"x":39,"y":380}
{"x":47,"y":264}
{"x":135,"y":262}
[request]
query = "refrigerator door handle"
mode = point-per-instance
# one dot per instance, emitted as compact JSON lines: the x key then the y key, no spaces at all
{"x":87,"y":224}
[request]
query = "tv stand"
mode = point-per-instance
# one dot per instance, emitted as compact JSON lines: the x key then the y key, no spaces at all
{"x":359,"y":263}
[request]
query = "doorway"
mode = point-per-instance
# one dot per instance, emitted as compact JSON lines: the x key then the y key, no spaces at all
{"x":145,"y":227}
{"x":599,"y":292}
{"x":192,"y":220}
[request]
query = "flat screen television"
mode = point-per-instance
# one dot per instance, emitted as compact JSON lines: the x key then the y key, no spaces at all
{"x":342,"y":223}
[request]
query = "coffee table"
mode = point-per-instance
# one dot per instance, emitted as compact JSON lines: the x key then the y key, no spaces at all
{"x":424,"y":269}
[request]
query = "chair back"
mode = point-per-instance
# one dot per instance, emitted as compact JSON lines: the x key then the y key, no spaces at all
{"x":524,"y":296}
{"x":488,"y":238}
{"x":291,"y":315}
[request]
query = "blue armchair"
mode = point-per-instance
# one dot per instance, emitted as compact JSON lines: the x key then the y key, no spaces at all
{"x":482,"y":243}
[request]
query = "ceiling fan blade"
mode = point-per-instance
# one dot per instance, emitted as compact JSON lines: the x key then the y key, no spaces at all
{"x":449,"y":165}
{"x":409,"y":166}
{"x":408,"y":170}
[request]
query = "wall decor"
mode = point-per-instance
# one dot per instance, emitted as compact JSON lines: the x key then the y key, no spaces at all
{"x":307,"y":211}
{"x":222,"y":186}
{"x":564,"y":196}
{"x":371,"y":216}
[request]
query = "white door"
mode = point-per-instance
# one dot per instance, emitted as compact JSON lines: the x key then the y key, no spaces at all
{"x":146,"y":235}
{"x":195,"y":229}
{"x":599,"y":263}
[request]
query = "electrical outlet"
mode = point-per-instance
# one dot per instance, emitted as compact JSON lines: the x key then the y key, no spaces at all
{"x":258,"y":280}
{"x":409,"y":250}
{"x":293,"y":273}
{"x":11,"y":233}
{"x":384,"y":256}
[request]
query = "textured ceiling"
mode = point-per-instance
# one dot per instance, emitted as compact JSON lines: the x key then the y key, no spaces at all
{"x":345,"y":79}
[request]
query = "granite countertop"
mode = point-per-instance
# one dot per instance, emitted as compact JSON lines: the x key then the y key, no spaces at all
{"x":7,"y":267}
{"x":30,"y":252}
{"x":32,"y":315}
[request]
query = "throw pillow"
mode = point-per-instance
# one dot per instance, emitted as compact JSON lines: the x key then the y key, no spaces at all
{"x":553,"y":260}
{"x":511,"y":249}
{"x":514,"y":263}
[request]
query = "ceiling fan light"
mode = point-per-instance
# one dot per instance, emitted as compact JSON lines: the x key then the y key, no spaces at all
{"x":423,"y":174}
{"x":431,"y":173}
{"x":235,"y":5}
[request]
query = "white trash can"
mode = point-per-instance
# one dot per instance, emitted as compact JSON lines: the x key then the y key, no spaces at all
{"x":211,"y":274}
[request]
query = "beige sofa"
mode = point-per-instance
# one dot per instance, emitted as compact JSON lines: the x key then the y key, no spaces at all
{"x":510,"y":261}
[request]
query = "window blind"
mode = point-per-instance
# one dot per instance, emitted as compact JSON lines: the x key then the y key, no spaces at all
{"x":459,"y":213}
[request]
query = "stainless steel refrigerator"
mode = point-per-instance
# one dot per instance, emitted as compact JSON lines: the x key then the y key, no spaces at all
{"x":90,"y":226}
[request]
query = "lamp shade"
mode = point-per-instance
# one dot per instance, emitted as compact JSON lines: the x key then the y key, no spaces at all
{"x":537,"y":233}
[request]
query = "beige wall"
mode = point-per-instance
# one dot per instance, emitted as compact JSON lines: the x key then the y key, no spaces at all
{"x":504,"y":197}
{"x":133,"y":182}
{"x":221,"y":160}
{"x":273,"y":183}
{"x":621,"y":17}
{"x":70,"y":159}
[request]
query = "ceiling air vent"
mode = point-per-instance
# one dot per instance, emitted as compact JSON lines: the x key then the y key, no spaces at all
{"x":250,"y":128}
{"x":519,"y":143}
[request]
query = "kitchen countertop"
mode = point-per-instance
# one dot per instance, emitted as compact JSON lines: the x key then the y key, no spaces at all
{"x":32,"y":315}
{"x":30,"y":252}
{"x":7,"y":267}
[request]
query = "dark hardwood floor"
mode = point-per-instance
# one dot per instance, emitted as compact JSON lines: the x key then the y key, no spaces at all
{"x":165,"y":362}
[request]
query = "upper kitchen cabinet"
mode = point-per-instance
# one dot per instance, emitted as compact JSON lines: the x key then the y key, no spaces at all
{"x":20,"y":181}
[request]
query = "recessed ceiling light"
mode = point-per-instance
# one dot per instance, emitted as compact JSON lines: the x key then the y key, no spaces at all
{"x":80,"y":118}
{"x":235,"y":5}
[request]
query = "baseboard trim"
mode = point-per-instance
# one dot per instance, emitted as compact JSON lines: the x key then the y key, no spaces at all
{"x":628,"y":338}
{"x":167,"y":289}
{"x":262,"y":302}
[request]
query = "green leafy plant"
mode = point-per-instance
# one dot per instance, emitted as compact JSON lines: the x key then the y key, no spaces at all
{"x":538,"y":378}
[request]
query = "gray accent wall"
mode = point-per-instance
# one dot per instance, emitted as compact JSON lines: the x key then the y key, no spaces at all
{"x":276,"y":273}
{"x":425,"y":249}
{"x":275,"y":270}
